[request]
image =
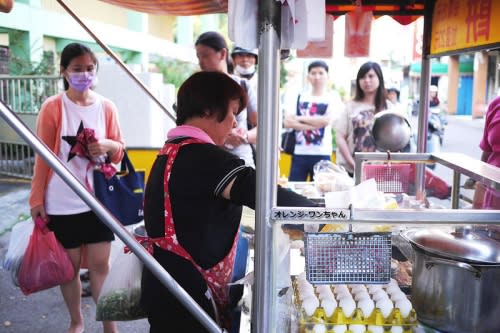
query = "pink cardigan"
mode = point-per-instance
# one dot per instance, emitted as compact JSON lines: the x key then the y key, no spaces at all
{"x":48,"y":129}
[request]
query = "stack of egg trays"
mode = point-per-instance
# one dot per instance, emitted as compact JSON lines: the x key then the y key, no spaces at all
{"x":307,"y":323}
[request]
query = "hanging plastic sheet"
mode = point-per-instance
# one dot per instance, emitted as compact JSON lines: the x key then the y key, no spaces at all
{"x":323,"y":48}
{"x":242,"y":25}
{"x":302,"y":21}
{"x":358,"y":24}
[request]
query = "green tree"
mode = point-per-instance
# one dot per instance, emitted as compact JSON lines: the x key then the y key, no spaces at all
{"x":174,"y":71}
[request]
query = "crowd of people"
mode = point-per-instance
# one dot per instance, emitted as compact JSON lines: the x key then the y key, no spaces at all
{"x":208,"y":161}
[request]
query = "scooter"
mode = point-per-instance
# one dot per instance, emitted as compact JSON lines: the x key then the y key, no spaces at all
{"x":435,"y":131}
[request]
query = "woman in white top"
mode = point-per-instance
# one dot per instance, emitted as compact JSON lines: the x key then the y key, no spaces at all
{"x":61,"y":123}
{"x":353,"y":125}
{"x":212,"y":53}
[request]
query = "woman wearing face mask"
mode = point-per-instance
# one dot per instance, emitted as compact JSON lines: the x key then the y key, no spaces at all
{"x":61,"y":121}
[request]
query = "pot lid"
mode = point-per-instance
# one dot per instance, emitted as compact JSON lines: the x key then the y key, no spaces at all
{"x":463,"y":244}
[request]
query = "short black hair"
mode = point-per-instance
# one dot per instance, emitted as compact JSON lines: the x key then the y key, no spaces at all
{"x":208,"y":93}
{"x":212,"y":39}
{"x":317,"y":63}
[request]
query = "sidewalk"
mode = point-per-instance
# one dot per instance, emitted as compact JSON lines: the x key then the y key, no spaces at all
{"x":45,"y":311}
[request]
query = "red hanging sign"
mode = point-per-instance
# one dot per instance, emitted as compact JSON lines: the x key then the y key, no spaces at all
{"x":358,"y":25}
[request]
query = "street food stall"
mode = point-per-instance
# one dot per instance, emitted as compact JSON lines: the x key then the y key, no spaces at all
{"x":341,"y":273}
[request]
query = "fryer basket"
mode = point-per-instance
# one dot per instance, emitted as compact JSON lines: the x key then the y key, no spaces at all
{"x":390,"y":177}
{"x":334,"y":258}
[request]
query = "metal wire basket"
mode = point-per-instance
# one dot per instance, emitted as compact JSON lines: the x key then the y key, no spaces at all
{"x":348,"y":257}
{"x":390,"y":177}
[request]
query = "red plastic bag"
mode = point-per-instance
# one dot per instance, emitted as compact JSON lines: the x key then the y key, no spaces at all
{"x":45,"y":263}
{"x":434,"y":185}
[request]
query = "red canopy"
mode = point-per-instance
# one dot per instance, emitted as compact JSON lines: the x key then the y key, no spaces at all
{"x":403,"y":11}
{"x":174,"y":7}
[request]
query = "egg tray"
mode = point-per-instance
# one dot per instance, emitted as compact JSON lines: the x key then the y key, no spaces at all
{"x":306,"y":322}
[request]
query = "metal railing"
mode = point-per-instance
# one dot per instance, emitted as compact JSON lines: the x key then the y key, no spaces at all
{"x":25,"y":94}
{"x":16,"y":159}
{"x":460,"y":164}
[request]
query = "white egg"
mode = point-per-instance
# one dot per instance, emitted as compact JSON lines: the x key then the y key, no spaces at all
{"x":358,"y":288}
{"x":348,"y":306}
{"x":385,"y":307}
{"x":375,"y":329}
{"x":404,"y":306}
{"x":357,"y":328}
{"x":373,"y":288}
{"x":329,"y":305}
{"x":379,"y":295}
{"x":339,"y":328}
{"x":319,"y":328}
{"x":393,"y":281}
{"x":398,"y":296}
{"x":345,"y":296}
{"x":342,"y":294}
{"x":323,"y":287}
{"x":327,"y":294}
{"x":392,"y":289}
{"x":310,"y":304}
{"x":361,"y":295}
{"x":306,"y":285}
{"x":340,"y":287}
{"x":366,"y":306}
{"x":396,"y":329}
{"x":306,"y":294}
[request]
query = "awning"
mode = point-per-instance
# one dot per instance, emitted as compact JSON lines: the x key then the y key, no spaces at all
{"x":466,"y":67}
{"x":403,"y":11}
{"x":173,"y":7}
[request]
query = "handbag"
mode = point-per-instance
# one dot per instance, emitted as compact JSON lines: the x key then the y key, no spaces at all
{"x":122,"y":194}
{"x":288,"y":138}
{"x":288,"y":142}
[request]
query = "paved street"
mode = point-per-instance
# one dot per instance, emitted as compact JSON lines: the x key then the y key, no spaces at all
{"x":45,"y":311}
{"x":42,"y":312}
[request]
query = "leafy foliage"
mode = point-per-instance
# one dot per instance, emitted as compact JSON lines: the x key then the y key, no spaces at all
{"x":20,"y":62}
{"x":174,"y":71}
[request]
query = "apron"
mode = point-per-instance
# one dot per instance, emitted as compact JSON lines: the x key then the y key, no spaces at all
{"x":217,"y":277}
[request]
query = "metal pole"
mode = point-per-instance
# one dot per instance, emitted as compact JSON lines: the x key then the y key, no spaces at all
{"x":24,"y":132}
{"x":263,"y":309}
{"x":110,"y":52}
{"x":455,"y":190}
{"x":423,"y":113}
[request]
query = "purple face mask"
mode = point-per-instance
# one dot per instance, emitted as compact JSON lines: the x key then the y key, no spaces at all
{"x":80,"y":81}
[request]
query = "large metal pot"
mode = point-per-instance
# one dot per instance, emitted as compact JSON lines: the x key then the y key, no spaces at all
{"x":456,"y":279}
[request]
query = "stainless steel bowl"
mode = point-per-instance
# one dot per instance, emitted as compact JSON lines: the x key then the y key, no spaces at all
{"x":391,"y":131}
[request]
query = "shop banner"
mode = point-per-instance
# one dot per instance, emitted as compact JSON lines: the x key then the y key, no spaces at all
{"x":464,"y":24}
